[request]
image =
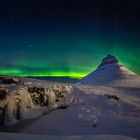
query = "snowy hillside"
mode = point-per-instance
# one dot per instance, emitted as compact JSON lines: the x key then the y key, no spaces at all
{"x":109,"y":70}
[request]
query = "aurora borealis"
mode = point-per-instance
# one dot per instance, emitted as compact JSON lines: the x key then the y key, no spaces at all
{"x":67,"y":37}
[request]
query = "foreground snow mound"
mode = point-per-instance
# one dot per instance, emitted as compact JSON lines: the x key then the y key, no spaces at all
{"x":109,"y":70}
{"x":93,"y":110}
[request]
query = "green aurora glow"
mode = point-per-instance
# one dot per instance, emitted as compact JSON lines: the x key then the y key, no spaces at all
{"x":40,"y":38}
{"x":76,"y":61}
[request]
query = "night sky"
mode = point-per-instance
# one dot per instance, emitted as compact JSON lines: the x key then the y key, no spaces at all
{"x":67,"y":37}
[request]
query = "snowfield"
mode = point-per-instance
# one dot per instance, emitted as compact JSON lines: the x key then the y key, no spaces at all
{"x":7,"y":136}
{"x":103,"y":105}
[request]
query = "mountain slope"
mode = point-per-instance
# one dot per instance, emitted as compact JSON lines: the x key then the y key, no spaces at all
{"x":109,"y":70}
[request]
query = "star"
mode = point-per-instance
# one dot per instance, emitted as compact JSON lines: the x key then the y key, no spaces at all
{"x":72,"y":7}
{"x":125,"y":22}
{"x":133,"y":15}
{"x":30,"y":45}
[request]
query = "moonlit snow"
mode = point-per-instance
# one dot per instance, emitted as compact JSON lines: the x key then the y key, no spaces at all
{"x":106,"y":103}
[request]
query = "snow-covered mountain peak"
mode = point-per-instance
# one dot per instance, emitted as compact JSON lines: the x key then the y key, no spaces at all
{"x":109,"y":70}
{"x":108,"y":60}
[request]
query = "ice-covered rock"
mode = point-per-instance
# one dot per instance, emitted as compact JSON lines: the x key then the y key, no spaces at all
{"x":8,"y":80}
{"x":20,"y":101}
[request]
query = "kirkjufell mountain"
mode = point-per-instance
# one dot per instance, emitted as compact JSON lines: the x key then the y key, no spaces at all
{"x":109,"y":70}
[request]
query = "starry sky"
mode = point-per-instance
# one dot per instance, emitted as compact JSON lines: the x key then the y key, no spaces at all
{"x":67,"y":37}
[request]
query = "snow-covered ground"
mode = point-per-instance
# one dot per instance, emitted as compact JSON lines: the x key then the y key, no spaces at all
{"x":92,"y":110}
{"x":90,"y":114}
{"x":7,"y":136}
